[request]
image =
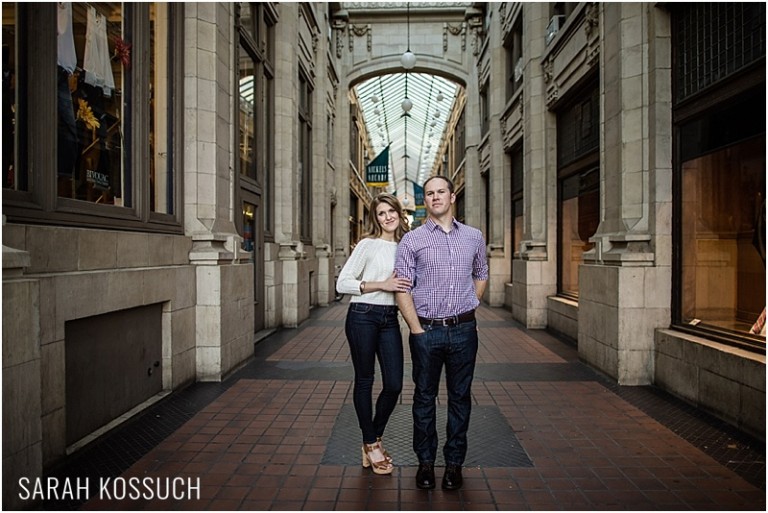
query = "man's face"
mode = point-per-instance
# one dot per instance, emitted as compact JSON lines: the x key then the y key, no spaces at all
{"x":438,"y":198}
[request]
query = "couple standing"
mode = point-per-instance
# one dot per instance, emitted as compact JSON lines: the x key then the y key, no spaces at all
{"x":435,"y":275}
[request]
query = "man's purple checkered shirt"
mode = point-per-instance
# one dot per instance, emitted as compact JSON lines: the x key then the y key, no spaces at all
{"x":442,"y":268}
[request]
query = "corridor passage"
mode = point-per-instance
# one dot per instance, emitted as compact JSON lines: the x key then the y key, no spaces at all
{"x":547,"y":433}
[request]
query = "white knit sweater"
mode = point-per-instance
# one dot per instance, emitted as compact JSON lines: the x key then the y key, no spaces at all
{"x":371,"y":260}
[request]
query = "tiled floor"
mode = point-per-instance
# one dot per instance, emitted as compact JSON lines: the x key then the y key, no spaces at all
{"x":548,"y":433}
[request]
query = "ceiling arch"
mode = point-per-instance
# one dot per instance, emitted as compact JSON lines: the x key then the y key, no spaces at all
{"x":413,"y":137}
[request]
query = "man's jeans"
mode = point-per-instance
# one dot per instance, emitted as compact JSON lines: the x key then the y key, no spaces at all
{"x":456,"y":348}
{"x":374,"y":331}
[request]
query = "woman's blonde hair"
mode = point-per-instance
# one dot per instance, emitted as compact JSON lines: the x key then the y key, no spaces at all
{"x":374,"y":228}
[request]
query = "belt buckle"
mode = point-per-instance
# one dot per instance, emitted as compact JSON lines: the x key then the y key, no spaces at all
{"x":445,"y":321}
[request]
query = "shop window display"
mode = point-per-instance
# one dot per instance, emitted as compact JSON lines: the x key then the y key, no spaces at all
{"x":91,"y":117}
{"x":723,"y":239}
{"x":93,"y":58}
{"x":11,"y":177}
{"x":579,"y":218}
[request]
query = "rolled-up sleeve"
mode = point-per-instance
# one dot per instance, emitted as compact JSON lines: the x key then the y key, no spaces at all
{"x":352,"y":272}
{"x":405,"y":263}
{"x":480,"y":263}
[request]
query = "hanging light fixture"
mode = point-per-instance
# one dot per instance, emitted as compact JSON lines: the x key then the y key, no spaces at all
{"x":439,"y":96}
{"x":407,"y":104}
{"x":408,"y":60}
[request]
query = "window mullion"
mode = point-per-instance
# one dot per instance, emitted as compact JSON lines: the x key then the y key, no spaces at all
{"x":136,"y":112}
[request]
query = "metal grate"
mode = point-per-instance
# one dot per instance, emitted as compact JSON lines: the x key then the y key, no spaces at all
{"x":491,"y":441}
{"x":714,"y":40}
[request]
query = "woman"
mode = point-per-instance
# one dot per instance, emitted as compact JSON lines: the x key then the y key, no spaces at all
{"x":372,"y":325}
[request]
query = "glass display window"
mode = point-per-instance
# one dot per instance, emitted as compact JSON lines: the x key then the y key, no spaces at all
{"x":13,"y":175}
{"x":92,"y":113}
{"x":723,"y":239}
{"x":91,"y":92}
{"x":579,"y":217}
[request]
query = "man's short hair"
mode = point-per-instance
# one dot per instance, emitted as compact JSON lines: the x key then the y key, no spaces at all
{"x":447,"y":180}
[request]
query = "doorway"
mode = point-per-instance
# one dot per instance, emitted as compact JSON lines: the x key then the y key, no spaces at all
{"x":253,"y":242}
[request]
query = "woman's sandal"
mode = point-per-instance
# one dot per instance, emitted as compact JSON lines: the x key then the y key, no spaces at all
{"x":379,"y":466}
{"x":383,"y":450}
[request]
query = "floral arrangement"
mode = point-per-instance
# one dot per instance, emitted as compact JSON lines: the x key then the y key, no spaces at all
{"x":123,"y":51}
{"x":85,"y":114}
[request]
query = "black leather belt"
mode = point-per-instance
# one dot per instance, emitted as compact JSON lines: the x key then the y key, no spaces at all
{"x":449,"y":321}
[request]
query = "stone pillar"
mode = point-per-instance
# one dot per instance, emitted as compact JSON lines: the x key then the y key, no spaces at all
{"x":224,"y":325}
{"x":625,"y":283}
{"x":327,"y":97}
{"x":499,"y":178}
{"x":22,"y":377}
{"x":291,"y":258}
{"x":534,"y":274}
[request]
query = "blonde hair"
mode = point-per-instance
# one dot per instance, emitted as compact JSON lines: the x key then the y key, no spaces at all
{"x":374,"y":228}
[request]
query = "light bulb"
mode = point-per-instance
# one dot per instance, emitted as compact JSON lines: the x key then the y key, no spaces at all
{"x":407,"y":105}
{"x":408,"y":60}
{"x":440,"y":96}
{"x":375,"y":99}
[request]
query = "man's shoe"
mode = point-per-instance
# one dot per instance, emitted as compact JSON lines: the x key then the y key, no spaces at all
{"x":425,"y":476}
{"x":452,"y":479}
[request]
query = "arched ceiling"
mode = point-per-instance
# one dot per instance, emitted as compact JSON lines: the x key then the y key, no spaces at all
{"x":413,"y":138}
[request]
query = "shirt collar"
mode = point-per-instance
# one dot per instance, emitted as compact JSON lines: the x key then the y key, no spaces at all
{"x":432,"y":225}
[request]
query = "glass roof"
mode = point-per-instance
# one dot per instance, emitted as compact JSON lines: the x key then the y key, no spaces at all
{"x":413,"y":138}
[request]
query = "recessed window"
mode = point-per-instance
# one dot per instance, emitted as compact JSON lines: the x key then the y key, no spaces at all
{"x":102,"y":150}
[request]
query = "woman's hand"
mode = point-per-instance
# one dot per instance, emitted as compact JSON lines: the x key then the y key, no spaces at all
{"x":395,"y":284}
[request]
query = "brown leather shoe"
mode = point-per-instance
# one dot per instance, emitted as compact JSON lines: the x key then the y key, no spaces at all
{"x":452,"y":479}
{"x":425,"y":476}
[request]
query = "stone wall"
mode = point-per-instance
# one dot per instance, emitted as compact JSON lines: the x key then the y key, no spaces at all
{"x":725,"y":381}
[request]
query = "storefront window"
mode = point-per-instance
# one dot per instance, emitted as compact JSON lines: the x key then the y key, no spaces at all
{"x":93,"y":61}
{"x":723,"y":239}
{"x":578,"y":145}
{"x":247,"y":114}
{"x":579,"y":218}
{"x":89,"y":113}
{"x":516,"y":158}
{"x":12,"y":178}
{"x":256,"y":104}
{"x":249,"y":228}
{"x":305,"y":156}
{"x":161,"y":137}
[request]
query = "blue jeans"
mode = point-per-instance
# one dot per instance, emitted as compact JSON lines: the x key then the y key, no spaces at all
{"x":373,"y":331}
{"x":456,"y":348}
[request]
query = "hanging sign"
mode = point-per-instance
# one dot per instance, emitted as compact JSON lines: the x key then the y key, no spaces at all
{"x":418,"y":195}
{"x":377,"y":170}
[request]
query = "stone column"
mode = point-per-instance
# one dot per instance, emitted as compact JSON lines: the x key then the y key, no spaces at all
{"x":625,"y":283}
{"x":22,"y":377}
{"x":326,"y":100}
{"x":499,"y":179}
{"x":224,"y":322}
{"x":341,"y":145}
{"x":293,"y":303}
{"x":534,"y":274}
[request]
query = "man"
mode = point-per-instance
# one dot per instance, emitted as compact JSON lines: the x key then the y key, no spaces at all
{"x":446,"y":263}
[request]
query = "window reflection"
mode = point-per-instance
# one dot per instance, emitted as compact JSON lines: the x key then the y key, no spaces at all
{"x":579,"y":219}
{"x":723,"y":239}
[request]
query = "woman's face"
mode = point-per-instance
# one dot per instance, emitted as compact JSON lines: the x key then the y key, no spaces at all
{"x":387,"y":217}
